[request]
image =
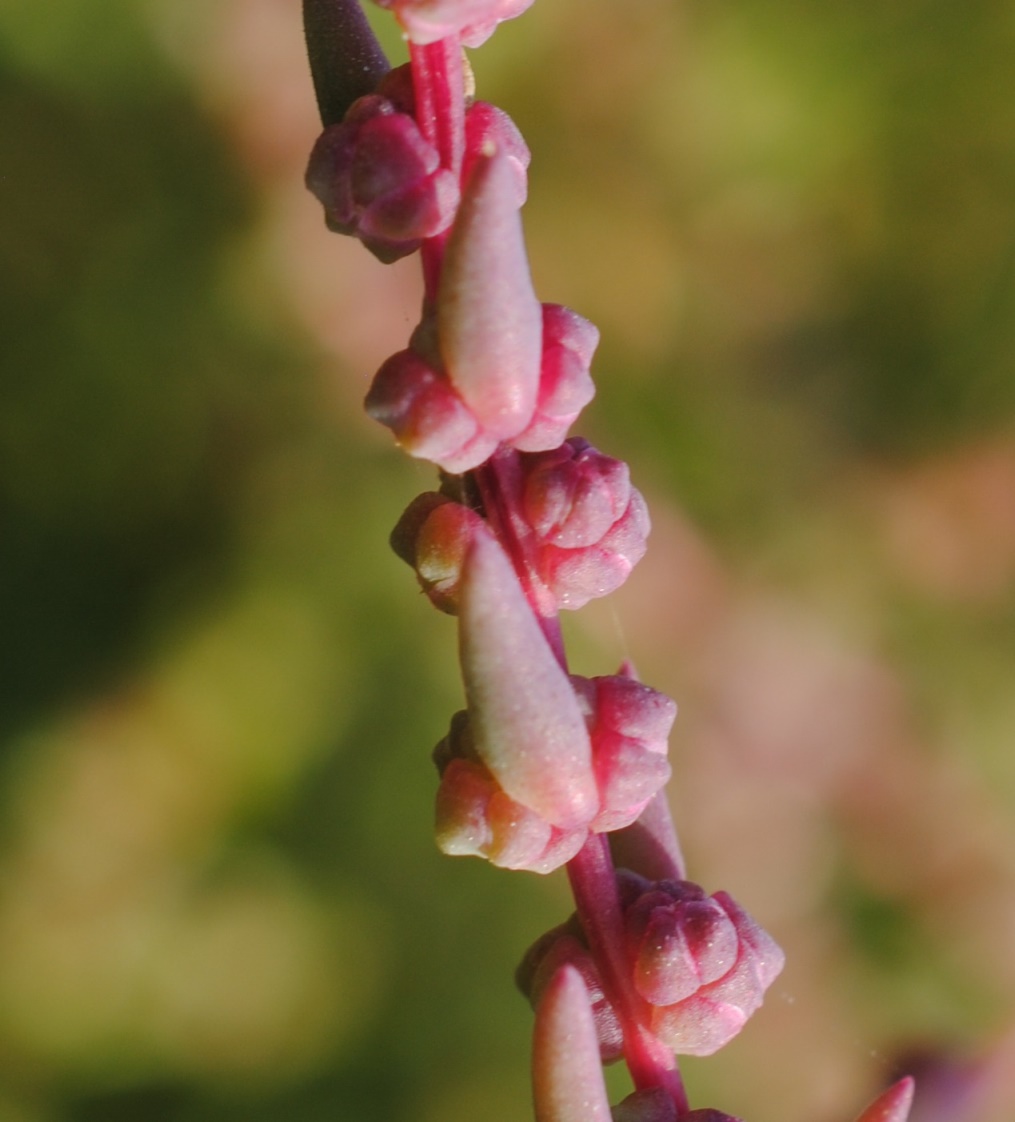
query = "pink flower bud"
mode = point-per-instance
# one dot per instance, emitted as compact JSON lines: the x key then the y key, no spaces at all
{"x":628,"y":725}
{"x":428,"y":418}
{"x":590,"y":524}
{"x":380,"y":180}
{"x":489,"y":322}
{"x":433,"y":536}
{"x":527,"y":726}
{"x":489,"y":129}
{"x":473,"y":21}
{"x":565,"y":384}
{"x":701,"y":962}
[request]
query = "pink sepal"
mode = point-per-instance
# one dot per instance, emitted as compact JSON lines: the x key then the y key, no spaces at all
{"x":489,"y":129}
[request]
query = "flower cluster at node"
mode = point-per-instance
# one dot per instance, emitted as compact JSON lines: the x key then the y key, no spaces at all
{"x":700,"y":964}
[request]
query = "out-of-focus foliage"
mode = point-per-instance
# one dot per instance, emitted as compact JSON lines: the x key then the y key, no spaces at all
{"x":794,"y":224}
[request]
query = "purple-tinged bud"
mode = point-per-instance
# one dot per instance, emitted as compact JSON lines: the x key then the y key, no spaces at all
{"x":489,"y":129}
{"x":433,"y":536}
{"x":708,"y":1115}
{"x":527,"y":726}
{"x":565,"y":384}
{"x":653,"y":1105}
{"x":489,"y":322}
{"x":893,"y":1105}
{"x":380,"y":180}
{"x":427,"y":417}
{"x":628,"y":726}
{"x":567,"y":1079}
{"x":590,"y":524}
{"x":563,"y":947}
{"x":701,"y":962}
{"x":473,"y":21}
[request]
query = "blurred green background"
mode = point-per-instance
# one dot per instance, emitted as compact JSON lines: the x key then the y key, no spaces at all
{"x":795,"y":227}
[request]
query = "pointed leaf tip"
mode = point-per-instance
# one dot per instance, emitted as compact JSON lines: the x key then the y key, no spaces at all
{"x":567,"y":1076}
{"x":489,"y":322}
{"x":527,"y":725}
{"x":892,"y":1105}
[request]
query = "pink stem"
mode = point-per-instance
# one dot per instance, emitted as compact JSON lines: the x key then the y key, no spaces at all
{"x":594,"y":884}
{"x":438,"y":82}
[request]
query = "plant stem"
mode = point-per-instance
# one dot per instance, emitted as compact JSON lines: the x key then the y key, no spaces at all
{"x":594,"y":885}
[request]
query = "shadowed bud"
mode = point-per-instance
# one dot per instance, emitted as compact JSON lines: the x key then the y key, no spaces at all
{"x":708,"y":1115}
{"x":346,"y":61}
{"x":653,"y":1106}
{"x":567,"y":1079}
{"x":489,"y":322}
{"x":701,"y":962}
{"x":527,"y":726}
{"x":891,"y":1106}
{"x":590,"y":524}
{"x":425,"y":414}
{"x":565,"y":384}
{"x":473,"y":21}
{"x":433,"y":536}
{"x":380,"y":180}
{"x":563,"y":947}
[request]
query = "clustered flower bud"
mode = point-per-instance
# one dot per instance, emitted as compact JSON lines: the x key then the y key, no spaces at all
{"x":379,"y":179}
{"x":628,"y":724}
{"x":589,"y":524}
{"x":700,"y":962}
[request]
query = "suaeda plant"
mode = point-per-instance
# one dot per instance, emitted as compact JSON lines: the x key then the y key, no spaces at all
{"x":542,"y":769}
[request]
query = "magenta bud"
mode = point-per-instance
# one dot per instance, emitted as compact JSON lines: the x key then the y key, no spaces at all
{"x":567,"y":1079}
{"x":892,"y":1105}
{"x":488,"y":129}
{"x":590,"y":524}
{"x":380,"y":180}
{"x":428,"y":419}
{"x":653,"y":1105}
{"x":433,"y":536}
{"x":701,"y":962}
{"x":489,"y":322}
{"x":565,"y":384}
{"x":473,"y":21}
{"x":527,"y":726}
{"x":628,"y":725}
